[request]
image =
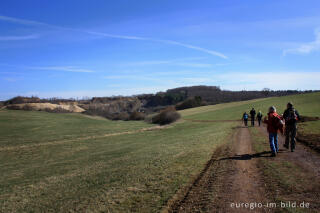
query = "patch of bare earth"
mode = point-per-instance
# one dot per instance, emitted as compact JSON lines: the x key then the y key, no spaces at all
{"x":229,"y":182}
{"x":301,"y":181}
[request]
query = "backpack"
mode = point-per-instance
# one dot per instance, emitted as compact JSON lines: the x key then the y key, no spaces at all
{"x":245,"y":116}
{"x":259,"y":115}
{"x":278,"y":123}
{"x":292,"y":116}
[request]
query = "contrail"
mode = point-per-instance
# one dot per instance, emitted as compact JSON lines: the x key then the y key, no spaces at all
{"x":171,"y":42}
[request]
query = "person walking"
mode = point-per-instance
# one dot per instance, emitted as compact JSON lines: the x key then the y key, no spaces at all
{"x":274,"y":123}
{"x":245,"y":117}
{"x":291,"y":116}
{"x":259,"y":117}
{"x":253,"y":115}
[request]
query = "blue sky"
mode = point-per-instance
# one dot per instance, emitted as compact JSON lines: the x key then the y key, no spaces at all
{"x":80,"y":48}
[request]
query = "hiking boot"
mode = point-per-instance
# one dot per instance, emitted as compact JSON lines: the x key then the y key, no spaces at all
{"x":292,"y":150}
{"x":286,"y":146}
{"x":273,"y":154}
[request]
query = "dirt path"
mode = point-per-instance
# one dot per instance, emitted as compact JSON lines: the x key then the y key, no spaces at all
{"x":231,"y":177}
{"x":247,"y":185}
{"x":303,"y":156}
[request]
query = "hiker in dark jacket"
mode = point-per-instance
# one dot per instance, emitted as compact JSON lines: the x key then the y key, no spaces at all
{"x":245,"y":117}
{"x":274,"y":123}
{"x":259,"y":117}
{"x":291,"y":116}
{"x":253,"y":115}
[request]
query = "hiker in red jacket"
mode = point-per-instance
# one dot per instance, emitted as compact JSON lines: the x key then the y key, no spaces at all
{"x":274,"y":123}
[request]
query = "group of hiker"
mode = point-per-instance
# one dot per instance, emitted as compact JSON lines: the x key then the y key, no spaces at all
{"x":245,"y":117}
{"x":285,"y":123}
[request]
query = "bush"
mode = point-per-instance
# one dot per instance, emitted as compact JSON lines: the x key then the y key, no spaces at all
{"x":137,"y":116}
{"x":166,"y":116}
{"x":22,"y":100}
{"x":119,"y":116}
{"x":57,"y":110}
{"x":27,"y":108}
{"x":190,"y":103}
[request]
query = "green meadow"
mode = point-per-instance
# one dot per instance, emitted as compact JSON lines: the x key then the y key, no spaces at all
{"x":74,"y":163}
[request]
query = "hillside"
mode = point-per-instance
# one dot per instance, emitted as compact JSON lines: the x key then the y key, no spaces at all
{"x":74,"y":162}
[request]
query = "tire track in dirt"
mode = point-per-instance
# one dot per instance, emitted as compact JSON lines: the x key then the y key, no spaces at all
{"x":247,"y":184}
{"x":303,"y":156}
{"x":9,"y":148}
{"x":299,"y":181}
{"x":231,"y":176}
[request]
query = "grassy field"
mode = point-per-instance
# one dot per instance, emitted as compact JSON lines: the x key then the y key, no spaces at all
{"x":306,"y":104}
{"x":71,"y":163}
{"x":126,"y":172}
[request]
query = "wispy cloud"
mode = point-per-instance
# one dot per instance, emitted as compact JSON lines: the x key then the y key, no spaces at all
{"x":17,"y":38}
{"x":257,"y":81}
{"x":63,"y":68}
{"x":185,"y":62}
{"x":128,"y":37}
{"x":49,"y":68}
{"x":307,"y":47}
{"x":22,"y":21}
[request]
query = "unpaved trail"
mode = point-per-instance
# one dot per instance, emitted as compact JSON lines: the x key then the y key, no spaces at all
{"x":303,"y":156}
{"x":247,"y":186}
{"x":230,"y":177}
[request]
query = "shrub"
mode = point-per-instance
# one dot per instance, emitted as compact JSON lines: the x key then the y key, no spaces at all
{"x":120,"y":116}
{"x":190,"y":103}
{"x":57,"y":110}
{"x":166,"y":116}
{"x":27,"y":107}
{"x":14,"y":107}
{"x":137,"y":116}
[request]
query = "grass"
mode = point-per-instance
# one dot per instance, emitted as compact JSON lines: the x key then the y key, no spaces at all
{"x":311,"y":127}
{"x":141,"y":171}
{"x":29,"y":127}
{"x":306,"y":104}
{"x":131,"y":172}
{"x":285,"y":181}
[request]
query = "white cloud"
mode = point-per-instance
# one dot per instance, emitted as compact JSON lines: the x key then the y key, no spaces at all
{"x":128,"y":37}
{"x":16,"y":38}
{"x":307,"y":47}
{"x":63,"y":68}
{"x":277,"y":80}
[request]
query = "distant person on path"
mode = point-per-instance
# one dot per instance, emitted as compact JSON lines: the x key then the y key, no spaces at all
{"x":253,"y":115}
{"x":291,"y":116}
{"x":259,"y":117}
{"x":274,"y":123}
{"x":245,"y":117}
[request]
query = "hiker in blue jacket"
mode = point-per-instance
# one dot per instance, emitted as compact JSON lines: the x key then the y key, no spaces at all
{"x":245,"y":117}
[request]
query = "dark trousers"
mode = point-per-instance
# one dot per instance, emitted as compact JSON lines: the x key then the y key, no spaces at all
{"x":252,"y":121}
{"x":291,"y":131}
{"x":245,"y":122}
{"x":259,"y":121}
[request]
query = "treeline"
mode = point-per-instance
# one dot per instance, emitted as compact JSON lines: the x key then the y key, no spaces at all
{"x":186,"y":97}
{"x":182,"y":97}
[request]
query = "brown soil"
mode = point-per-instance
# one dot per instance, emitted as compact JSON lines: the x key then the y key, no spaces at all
{"x":226,"y":180}
{"x":234,"y":174}
{"x":303,"y":156}
{"x":311,"y":140}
